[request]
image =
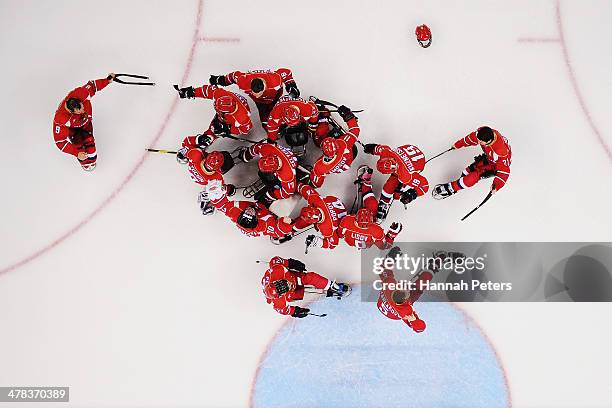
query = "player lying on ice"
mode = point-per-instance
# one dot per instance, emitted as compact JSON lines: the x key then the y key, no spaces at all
{"x":360,"y":230}
{"x":322,"y":213}
{"x":339,"y":151}
{"x":232,"y":113}
{"x":255,"y":220}
{"x":495,"y":161}
{"x":72,"y":123}
{"x":397,"y":304}
{"x":404,"y":164}
{"x":277,"y":166}
{"x":265,"y":87}
{"x":285,"y":281}
{"x":207,"y":169}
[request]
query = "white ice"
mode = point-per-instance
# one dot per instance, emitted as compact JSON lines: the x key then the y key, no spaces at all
{"x":114,"y":284}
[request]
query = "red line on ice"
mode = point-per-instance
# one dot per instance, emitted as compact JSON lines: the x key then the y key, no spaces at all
{"x":574,"y":81}
{"x":143,"y":158}
{"x":219,"y":39}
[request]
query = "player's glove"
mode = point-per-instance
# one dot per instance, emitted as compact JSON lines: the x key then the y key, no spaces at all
{"x":300,"y":312}
{"x":218,"y":80}
{"x":185,"y":92}
{"x":312,"y":241}
{"x":220,"y":128}
{"x":203,"y":141}
{"x":369,"y":148}
{"x":296,"y":265}
{"x":230,"y":190}
{"x":345,"y":113}
{"x":111,"y":77}
{"x":394,"y":230}
{"x":408,"y":196}
{"x":292,"y":89}
{"x":180,"y":155}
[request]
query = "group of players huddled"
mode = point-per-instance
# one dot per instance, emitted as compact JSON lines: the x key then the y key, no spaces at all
{"x":290,"y":123}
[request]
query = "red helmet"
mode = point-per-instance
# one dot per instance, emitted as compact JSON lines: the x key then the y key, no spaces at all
{"x":291,"y":115}
{"x":310,"y":214}
{"x":226,"y":104}
{"x":195,"y":155}
{"x":214,"y":161}
{"x":329,"y":146}
{"x":269,"y":164}
{"x":418,"y":325}
{"x":423,"y":35}
{"x":386,"y":165}
{"x":364,"y":217}
{"x":270,"y":291}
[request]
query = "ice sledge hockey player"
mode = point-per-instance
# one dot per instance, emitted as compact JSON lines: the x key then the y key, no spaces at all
{"x":72,"y":123}
{"x":265,"y":87}
{"x":495,"y":161}
{"x":277,"y":166}
{"x":360,"y":230}
{"x":397,"y":304}
{"x":255,"y":220}
{"x":338,"y":152}
{"x":285,"y":282}
{"x":207,"y":169}
{"x":324,"y":213}
{"x":292,"y":117}
{"x":232,"y":117}
{"x":404,"y":165}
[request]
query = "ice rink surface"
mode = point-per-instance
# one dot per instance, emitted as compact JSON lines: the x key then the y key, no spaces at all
{"x":114,"y":284}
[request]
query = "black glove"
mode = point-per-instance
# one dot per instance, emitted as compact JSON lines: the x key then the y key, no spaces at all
{"x":230,"y":190}
{"x":218,"y":80}
{"x":185,"y":92}
{"x":408,"y":196}
{"x":203,"y":141}
{"x":180,"y":156}
{"x":296,"y":265}
{"x":300,"y":312}
{"x":292,"y":89}
{"x":345,"y":113}
{"x":369,"y":148}
{"x":220,"y":128}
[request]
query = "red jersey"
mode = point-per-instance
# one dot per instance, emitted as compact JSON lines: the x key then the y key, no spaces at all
{"x":410,"y":162}
{"x":331,"y":208}
{"x":403,"y":311}
{"x":268,"y":223}
{"x":64,"y":120}
{"x":274,"y":81}
{"x":278,"y":270}
{"x":362,"y":238}
{"x":343,"y":158}
{"x":306,"y":111}
{"x":498,"y":152}
{"x":239,"y":121}
{"x":286,"y":173}
{"x":211,"y":180}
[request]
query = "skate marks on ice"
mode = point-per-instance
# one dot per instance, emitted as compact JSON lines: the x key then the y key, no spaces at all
{"x":355,"y":357}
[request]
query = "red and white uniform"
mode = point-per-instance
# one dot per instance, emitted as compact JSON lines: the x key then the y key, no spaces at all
{"x":344,"y":156}
{"x":403,"y":311}
{"x":286,"y":173}
{"x":297,"y":280}
{"x":332,"y":211}
{"x":239,"y":121}
{"x":211,"y":180}
{"x":306,"y":111}
{"x":268,"y":223}
{"x":410,"y":162}
{"x":498,"y":154}
{"x":274,"y":81}
{"x":66,"y":123}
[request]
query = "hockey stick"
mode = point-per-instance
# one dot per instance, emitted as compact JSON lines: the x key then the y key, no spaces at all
{"x":439,"y":154}
{"x":318,"y":315}
{"x":479,"y":205}
{"x":241,"y":139}
{"x":161,"y":151}
{"x":120,"y":81}
{"x":336,"y":111}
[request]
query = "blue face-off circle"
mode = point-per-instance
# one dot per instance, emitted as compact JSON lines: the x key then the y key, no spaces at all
{"x":356,"y":357}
